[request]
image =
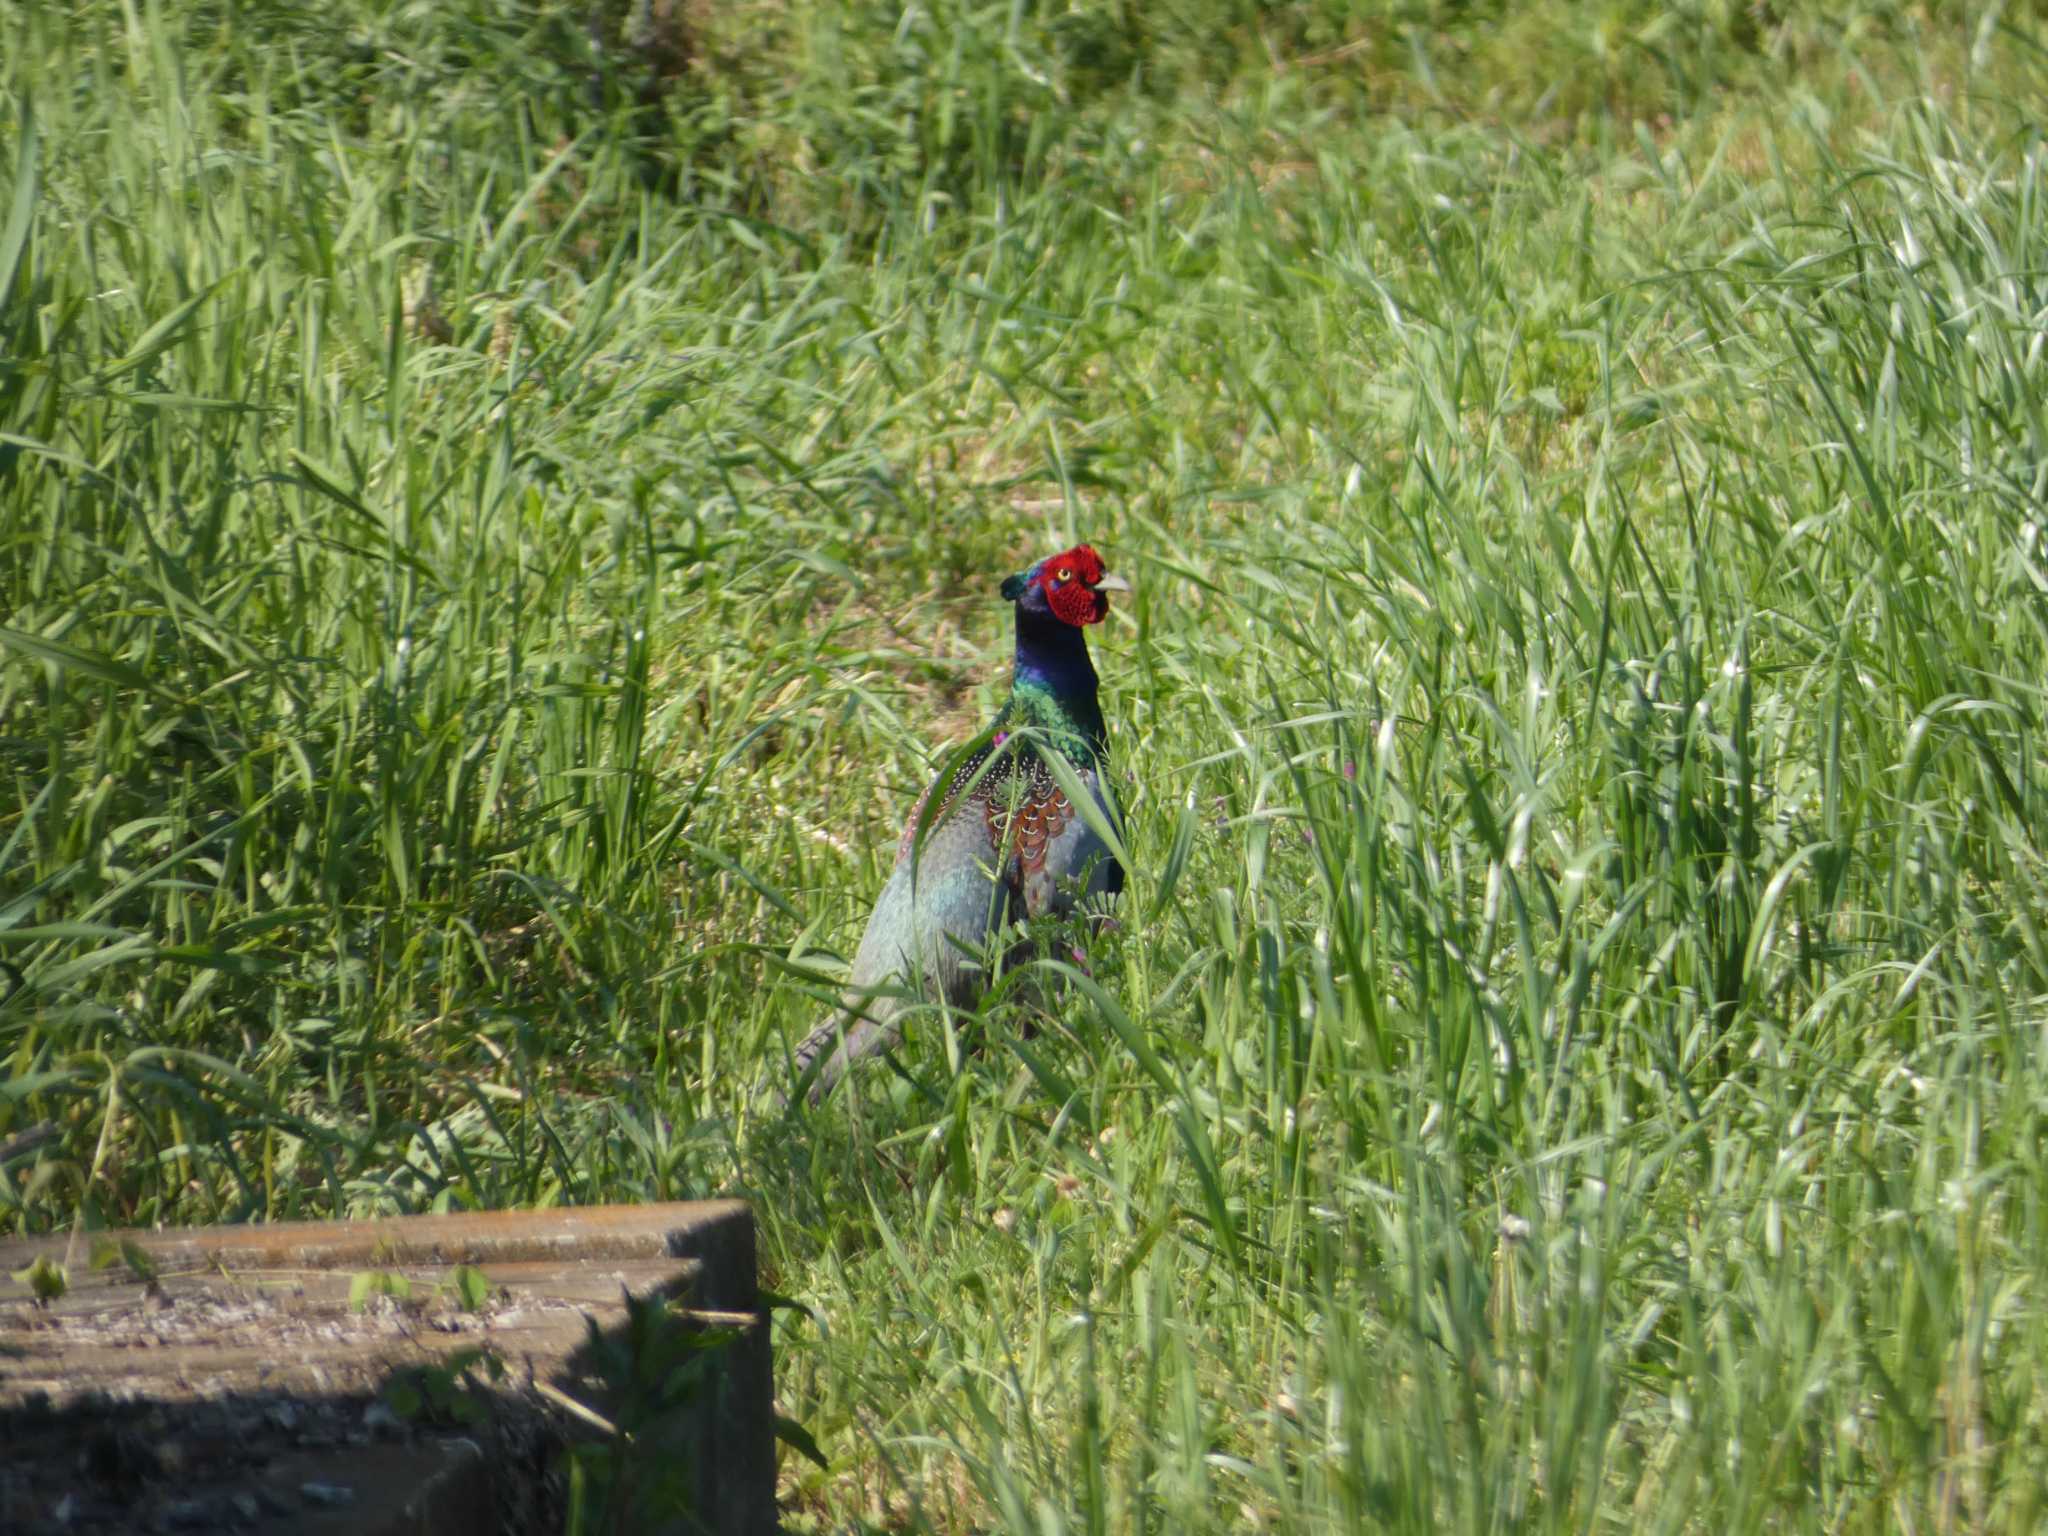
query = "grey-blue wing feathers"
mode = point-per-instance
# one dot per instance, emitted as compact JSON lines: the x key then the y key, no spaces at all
{"x":1006,"y":843}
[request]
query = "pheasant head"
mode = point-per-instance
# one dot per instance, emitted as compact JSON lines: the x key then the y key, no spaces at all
{"x":1071,"y":587}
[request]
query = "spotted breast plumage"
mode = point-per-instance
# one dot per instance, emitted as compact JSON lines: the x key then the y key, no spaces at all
{"x":1006,"y":841}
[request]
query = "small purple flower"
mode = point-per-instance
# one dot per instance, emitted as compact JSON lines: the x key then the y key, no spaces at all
{"x":1001,"y":737}
{"x":1350,"y":770}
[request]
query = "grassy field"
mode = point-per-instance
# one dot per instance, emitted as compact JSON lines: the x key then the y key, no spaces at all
{"x":499,"y":514}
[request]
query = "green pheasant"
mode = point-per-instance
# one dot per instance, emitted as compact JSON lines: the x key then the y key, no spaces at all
{"x":1005,"y":840}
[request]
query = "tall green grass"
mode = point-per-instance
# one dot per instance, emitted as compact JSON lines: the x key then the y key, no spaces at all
{"x":500,"y":514}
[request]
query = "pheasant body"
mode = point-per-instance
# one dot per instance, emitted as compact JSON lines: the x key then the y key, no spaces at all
{"x":1006,"y":841}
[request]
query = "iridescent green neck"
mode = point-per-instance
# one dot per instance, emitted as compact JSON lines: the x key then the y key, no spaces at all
{"x":1055,"y":686}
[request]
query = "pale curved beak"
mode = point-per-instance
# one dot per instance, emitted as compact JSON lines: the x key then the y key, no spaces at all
{"x":1112,"y":584}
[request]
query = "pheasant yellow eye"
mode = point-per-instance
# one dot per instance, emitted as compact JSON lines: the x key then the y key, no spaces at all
{"x":1064,"y":573}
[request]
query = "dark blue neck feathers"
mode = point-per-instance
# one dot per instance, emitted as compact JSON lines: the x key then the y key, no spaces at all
{"x":1052,"y":662}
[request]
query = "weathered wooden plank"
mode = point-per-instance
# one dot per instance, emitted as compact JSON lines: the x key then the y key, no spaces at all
{"x":251,"y":1330}
{"x":576,"y":1234}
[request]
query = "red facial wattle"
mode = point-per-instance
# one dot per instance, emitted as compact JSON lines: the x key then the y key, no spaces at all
{"x":1069,"y":582}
